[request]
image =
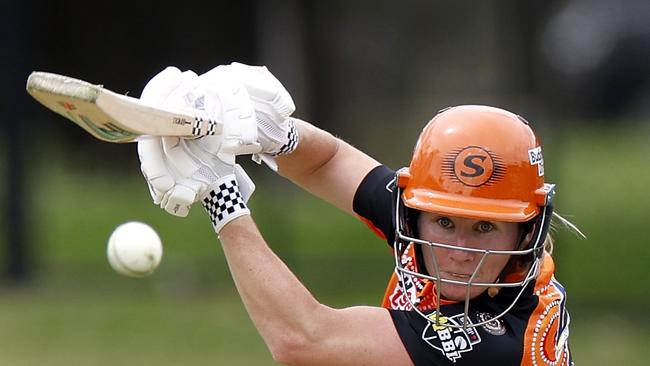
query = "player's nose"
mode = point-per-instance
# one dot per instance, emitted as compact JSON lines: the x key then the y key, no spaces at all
{"x":461,"y":253}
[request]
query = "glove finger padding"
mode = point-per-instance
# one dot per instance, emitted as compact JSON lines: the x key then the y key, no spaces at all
{"x":152,"y":161}
{"x":208,"y":178}
{"x":268,"y":93}
{"x":225,"y":97}
{"x":187,"y":188}
{"x":179,"y":160}
{"x":273,"y":105}
{"x":161,"y":85}
{"x":164,"y":190}
{"x":154,"y":168}
{"x":174,"y":195}
{"x":178,"y":200}
{"x":185,"y":158}
{"x":183,"y":95}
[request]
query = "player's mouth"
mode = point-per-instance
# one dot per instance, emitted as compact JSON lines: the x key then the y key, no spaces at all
{"x":456,"y":276}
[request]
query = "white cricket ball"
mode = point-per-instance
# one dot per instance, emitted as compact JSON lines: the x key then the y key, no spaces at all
{"x":134,"y":249}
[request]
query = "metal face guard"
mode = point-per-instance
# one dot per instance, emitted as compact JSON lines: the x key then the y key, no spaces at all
{"x":405,"y":275}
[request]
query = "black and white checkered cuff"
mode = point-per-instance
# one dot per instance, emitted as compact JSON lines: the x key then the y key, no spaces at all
{"x":224,"y":202}
{"x":292,"y":140}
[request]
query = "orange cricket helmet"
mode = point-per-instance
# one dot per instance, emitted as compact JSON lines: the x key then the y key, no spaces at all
{"x":478,"y":162}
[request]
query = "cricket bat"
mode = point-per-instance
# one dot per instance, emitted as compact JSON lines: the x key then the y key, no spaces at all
{"x":113,"y":117}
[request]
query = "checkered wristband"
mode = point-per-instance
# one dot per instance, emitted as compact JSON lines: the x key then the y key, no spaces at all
{"x":292,"y":139}
{"x":224,"y":202}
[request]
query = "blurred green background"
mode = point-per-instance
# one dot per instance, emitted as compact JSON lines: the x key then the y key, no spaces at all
{"x":370,"y":72}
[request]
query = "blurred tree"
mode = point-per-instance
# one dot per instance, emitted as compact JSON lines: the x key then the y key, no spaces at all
{"x":14,"y":67}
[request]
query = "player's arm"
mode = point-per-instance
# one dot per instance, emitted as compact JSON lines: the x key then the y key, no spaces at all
{"x":296,"y":327}
{"x":326,"y":166}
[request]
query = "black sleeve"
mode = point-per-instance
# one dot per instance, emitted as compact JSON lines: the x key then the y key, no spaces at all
{"x":373,"y":201}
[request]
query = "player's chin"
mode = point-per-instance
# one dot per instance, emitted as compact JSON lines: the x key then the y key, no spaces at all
{"x":455,"y":292}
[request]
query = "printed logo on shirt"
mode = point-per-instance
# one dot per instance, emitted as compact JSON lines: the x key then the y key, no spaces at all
{"x":493,"y":326}
{"x":452,"y":342}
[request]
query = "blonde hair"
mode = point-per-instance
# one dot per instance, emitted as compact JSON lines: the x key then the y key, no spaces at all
{"x":556,"y":223}
{"x":548,"y":244}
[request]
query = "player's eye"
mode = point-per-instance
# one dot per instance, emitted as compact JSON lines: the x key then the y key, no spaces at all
{"x":485,"y":227}
{"x":445,"y":222}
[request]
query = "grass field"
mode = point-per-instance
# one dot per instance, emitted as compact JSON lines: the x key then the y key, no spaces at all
{"x":130,"y":327}
{"x":76,"y":311}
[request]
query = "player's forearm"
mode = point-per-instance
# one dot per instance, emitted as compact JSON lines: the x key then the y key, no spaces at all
{"x":326,"y":166}
{"x":279,"y":305}
{"x":315,"y":149}
{"x":296,"y":327}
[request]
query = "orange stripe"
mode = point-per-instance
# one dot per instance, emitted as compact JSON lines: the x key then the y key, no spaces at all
{"x":542,"y":328}
{"x":372,"y":227}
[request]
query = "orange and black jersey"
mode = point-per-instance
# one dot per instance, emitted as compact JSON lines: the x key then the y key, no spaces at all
{"x":534,"y":332}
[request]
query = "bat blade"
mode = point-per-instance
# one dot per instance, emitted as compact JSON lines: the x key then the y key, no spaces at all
{"x":113,"y":117}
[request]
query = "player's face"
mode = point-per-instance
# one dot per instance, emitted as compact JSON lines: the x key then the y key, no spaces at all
{"x":457,"y":264}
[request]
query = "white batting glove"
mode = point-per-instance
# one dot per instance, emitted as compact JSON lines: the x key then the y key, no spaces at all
{"x":277,"y":134}
{"x":174,"y":168}
{"x":212,"y":177}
